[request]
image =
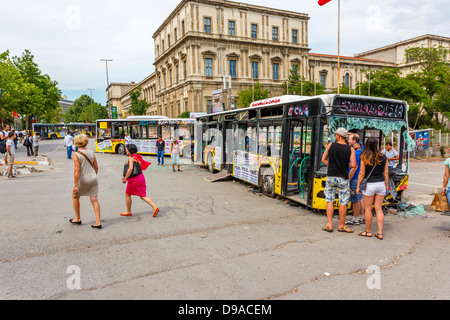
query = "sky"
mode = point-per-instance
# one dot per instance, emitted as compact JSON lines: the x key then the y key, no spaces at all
{"x":68,"y":38}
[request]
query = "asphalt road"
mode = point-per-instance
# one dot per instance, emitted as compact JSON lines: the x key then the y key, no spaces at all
{"x":211,"y":241}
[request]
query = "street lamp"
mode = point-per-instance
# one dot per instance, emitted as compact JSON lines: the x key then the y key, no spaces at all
{"x":92,"y":106}
{"x":107,"y":84}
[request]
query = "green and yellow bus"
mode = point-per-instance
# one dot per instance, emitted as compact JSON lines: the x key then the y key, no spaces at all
{"x":60,"y":130}
{"x":144,"y":131}
{"x":277,"y":143}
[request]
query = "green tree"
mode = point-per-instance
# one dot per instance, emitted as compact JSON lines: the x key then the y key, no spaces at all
{"x":434,"y":77}
{"x":297,"y":85}
{"x":11,"y":82}
{"x":138,"y":106}
{"x":247,"y":96}
{"x":85,"y":109}
{"x":40,"y":94}
{"x":184,"y":114}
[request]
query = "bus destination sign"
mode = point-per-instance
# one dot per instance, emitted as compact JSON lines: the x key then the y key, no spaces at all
{"x":370,"y":108}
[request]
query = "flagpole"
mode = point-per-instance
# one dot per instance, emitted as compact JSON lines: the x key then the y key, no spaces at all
{"x":339,"y":39}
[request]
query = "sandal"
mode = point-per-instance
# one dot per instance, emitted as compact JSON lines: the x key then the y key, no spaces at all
{"x":126,"y":214}
{"x":155,"y":212}
{"x":327,"y":228}
{"x":364,"y":234}
{"x":379,"y":236}
{"x":345,"y":229}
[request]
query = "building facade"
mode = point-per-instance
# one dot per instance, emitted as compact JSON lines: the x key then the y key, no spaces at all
{"x":207,"y":45}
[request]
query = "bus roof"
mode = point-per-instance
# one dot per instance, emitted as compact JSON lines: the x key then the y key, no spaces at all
{"x":327,"y":100}
{"x":135,"y":118}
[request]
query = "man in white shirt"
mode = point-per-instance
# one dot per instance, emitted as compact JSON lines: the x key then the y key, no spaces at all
{"x":36,"y":139}
{"x":68,"y":143}
{"x":10,"y":151}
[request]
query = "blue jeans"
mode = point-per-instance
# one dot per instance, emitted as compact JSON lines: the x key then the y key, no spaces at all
{"x":69,"y":152}
{"x":160,"y":154}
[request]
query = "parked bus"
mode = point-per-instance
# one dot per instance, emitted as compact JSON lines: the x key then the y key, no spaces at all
{"x":277,"y":143}
{"x":60,"y":130}
{"x":144,"y":132}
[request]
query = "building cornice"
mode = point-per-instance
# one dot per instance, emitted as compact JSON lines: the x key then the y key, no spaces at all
{"x":235,"y":5}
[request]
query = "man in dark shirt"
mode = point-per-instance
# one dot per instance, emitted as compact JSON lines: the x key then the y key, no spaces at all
{"x":337,"y":157}
{"x":160,"y":145}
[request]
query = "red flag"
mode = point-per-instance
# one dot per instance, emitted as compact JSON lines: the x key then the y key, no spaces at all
{"x":322,"y":2}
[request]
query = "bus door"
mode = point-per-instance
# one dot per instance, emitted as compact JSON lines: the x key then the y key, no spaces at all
{"x":228,"y":145}
{"x":294,"y":145}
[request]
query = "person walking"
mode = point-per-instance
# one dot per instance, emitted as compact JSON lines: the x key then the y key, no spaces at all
{"x":374,"y":168}
{"x":68,"y":143}
{"x":85,"y":180}
{"x":338,"y":156}
{"x":4,"y":136}
{"x":160,"y":145}
{"x":36,"y":139}
{"x":136,"y":186}
{"x":356,"y":199}
{"x":28,"y":143}
{"x":10,"y":152}
{"x":175,"y":154}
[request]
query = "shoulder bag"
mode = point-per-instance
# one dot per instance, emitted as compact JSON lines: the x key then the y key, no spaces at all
{"x":136,"y":170}
{"x":363,"y":184}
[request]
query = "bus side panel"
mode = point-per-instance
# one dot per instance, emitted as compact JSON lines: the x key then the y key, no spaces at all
{"x":318,"y":195}
{"x":108,"y":146}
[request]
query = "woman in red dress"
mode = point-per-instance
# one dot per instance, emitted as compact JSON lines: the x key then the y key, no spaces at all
{"x":136,"y":186}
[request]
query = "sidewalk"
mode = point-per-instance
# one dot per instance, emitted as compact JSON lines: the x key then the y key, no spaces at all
{"x":26,"y":165}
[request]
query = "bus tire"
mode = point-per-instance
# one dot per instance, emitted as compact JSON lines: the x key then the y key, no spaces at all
{"x":267,"y":181}
{"x":54,"y":137}
{"x":187,"y":152}
{"x":210,"y":163}
{"x":120,"y":149}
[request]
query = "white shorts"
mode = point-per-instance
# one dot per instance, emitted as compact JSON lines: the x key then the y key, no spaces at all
{"x":374,"y":188}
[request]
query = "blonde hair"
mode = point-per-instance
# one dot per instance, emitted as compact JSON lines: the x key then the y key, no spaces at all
{"x":81,"y":140}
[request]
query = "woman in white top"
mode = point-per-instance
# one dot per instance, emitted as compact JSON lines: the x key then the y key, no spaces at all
{"x":175,"y":151}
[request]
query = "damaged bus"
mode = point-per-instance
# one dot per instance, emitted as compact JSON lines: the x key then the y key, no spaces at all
{"x":277,"y":143}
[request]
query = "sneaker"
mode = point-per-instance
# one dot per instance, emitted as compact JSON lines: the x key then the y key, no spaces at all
{"x":352,"y":222}
{"x":173,"y":170}
{"x":179,"y":170}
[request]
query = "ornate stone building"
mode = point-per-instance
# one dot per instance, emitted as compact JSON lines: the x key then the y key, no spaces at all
{"x":206,"y":45}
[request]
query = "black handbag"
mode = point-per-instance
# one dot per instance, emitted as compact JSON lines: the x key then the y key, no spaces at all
{"x":363,"y":184}
{"x":136,"y":170}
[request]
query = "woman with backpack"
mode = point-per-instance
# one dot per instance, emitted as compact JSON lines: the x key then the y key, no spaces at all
{"x":375,"y":174}
{"x":28,"y":142}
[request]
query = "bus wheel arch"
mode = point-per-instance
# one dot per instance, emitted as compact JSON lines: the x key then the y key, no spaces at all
{"x":266,"y":181}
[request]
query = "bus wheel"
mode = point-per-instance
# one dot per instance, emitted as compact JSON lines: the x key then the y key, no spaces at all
{"x":54,"y":136}
{"x":267,"y":178}
{"x":120,"y":149}
{"x":187,"y":152}
{"x":210,"y":163}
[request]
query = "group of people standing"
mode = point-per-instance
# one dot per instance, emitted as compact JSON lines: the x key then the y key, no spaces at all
{"x":11,"y":138}
{"x":360,"y":173}
{"x":86,"y":182}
